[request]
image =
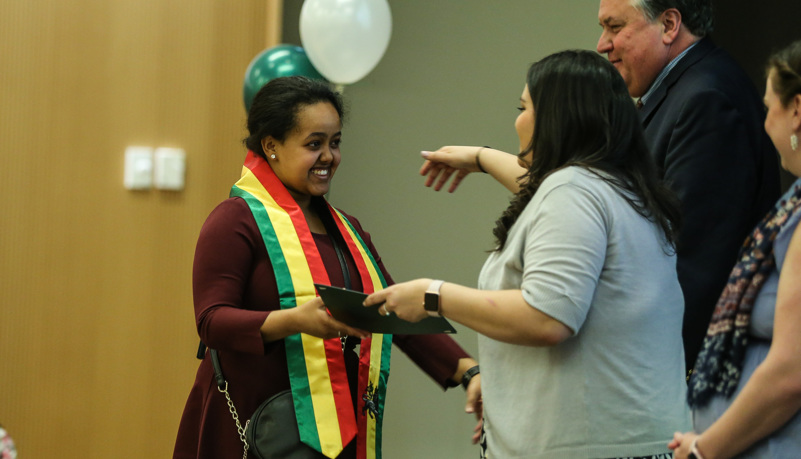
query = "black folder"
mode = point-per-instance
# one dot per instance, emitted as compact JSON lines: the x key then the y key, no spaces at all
{"x":346,"y":306}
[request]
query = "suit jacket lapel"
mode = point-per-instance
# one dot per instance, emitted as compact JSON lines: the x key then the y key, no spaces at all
{"x":699,"y":51}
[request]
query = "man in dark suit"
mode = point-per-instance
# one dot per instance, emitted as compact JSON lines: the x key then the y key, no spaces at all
{"x":703,"y":122}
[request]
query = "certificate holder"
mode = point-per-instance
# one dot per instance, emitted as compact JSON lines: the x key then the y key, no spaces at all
{"x":346,"y":306}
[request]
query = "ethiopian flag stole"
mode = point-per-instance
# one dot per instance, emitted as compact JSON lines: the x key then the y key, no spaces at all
{"x":320,"y":390}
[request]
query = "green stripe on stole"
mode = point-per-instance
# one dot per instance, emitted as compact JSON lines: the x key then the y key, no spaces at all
{"x":287,"y":300}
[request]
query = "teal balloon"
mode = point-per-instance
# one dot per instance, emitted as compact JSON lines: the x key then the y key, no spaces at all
{"x":275,"y":62}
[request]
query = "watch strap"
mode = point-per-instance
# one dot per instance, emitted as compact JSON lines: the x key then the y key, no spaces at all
{"x":694,"y":452}
{"x":468,"y":375}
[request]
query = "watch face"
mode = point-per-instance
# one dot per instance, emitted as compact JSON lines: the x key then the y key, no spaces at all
{"x":431,"y":302}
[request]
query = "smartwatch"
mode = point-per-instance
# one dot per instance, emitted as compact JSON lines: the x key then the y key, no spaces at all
{"x":431,"y":299}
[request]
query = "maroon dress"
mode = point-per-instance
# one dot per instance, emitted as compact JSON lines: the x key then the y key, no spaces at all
{"x":234,"y":291}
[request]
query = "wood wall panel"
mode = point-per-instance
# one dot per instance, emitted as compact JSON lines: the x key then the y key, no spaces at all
{"x":96,"y":328}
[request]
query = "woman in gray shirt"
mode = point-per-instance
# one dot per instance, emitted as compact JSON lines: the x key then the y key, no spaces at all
{"x":579,"y":307}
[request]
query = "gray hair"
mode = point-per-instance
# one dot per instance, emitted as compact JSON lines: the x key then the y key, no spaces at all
{"x":696,"y":15}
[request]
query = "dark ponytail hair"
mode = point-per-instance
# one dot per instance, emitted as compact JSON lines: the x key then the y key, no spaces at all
{"x":786,"y":66}
{"x":585,"y":117}
{"x":275,"y":107}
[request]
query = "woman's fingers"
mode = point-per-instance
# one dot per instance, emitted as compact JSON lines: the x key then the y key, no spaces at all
{"x":435,"y":173}
{"x":377,"y":297}
{"x":438,"y":169}
{"x":477,"y":431}
{"x":444,"y":175}
{"x":456,"y":181}
{"x":340,"y":330}
{"x":427,"y":165}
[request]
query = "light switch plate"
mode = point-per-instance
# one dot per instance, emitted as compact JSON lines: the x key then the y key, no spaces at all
{"x":169,"y":168}
{"x":138,"y":168}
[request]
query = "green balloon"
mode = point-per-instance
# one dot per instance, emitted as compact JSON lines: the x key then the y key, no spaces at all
{"x":278,"y":61}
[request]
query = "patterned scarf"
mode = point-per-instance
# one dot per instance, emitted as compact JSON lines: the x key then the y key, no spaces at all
{"x":719,"y":364}
{"x":319,"y":383}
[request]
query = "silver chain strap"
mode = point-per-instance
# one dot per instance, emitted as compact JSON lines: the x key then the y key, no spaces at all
{"x":241,"y":430}
{"x":231,"y":408}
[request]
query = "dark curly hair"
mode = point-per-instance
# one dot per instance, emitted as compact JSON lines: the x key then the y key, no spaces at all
{"x":585,"y":117}
{"x":275,"y":107}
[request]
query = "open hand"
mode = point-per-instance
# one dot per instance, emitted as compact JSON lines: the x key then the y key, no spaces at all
{"x":441,"y":164}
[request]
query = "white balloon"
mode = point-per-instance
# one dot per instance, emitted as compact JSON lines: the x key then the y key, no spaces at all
{"x":345,"y":39}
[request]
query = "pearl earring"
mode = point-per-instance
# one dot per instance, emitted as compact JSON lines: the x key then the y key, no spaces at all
{"x":272,"y":156}
{"x":794,"y":142}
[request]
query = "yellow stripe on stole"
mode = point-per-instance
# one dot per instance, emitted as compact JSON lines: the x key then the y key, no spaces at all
{"x":313,"y":348}
{"x":376,"y":347}
{"x":374,"y":278}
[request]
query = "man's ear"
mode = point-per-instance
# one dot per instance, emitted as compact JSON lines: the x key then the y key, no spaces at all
{"x":670,"y":19}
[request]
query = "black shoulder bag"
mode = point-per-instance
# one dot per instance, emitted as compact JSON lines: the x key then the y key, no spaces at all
{"x":272,"y":431}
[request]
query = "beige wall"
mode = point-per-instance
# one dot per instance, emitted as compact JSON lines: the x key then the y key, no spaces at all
{"x":96,"y":328}
{"x":452,"y":74}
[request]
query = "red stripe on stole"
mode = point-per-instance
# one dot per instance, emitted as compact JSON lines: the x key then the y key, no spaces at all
{"x":367,"y":344}
{"x":333,"y":347}
{"x":361,"y":266}
{"x":361,"y":419}
{"x":278,"y":191}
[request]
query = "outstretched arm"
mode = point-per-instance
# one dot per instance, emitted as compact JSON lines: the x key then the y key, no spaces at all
{"x":502,"y":315}
{"x":441,"y":164}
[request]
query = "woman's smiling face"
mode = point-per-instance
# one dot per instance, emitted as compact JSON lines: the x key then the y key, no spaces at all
{"x":306,"y":160}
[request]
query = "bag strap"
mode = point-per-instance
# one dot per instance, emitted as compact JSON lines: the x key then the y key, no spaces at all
{"x":218,"y":375}
{"x":342,"y":263}
{"x":201,"y":351}
{"x":222,"y":386}
{"x":336,"y":238}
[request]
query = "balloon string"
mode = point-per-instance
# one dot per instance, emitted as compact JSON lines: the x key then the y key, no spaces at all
{"x":340,"y":88}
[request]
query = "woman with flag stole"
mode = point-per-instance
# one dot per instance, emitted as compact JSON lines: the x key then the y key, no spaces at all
{"x":258,"y":256}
